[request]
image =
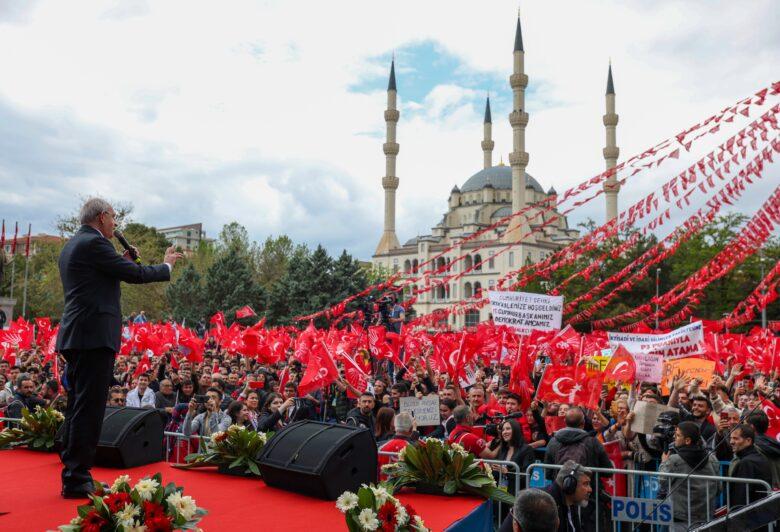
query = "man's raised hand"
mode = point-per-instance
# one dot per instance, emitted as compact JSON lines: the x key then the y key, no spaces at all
{"x":171,"y":256}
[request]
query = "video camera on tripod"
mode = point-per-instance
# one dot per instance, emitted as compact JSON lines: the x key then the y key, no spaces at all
{"x":377,"y":311}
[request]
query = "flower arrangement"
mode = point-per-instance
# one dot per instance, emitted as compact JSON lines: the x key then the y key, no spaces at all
{"x":374,"y":508}
{"x":146,"y":507}
{"x":36,"y":430}
{"x":433,"y":463}
{"x":235,"y":448}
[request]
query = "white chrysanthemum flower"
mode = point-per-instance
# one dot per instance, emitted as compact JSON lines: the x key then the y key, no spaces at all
{"x":367,"y":519}
{"x":58,"y":415}
{"x":400,"y":513}
{"x":184,"y":504}
{"x":380,"y":494}
{"x":457,"y":447}
{"x":263,"y":437}
{"x":146,"y":488}
{"x":346,"y":501}
{"x":418,"y":522}
{"x":216,"y":435}
{"x":121,"y":479}
{"x":136,"y":527}
{"x":75,"y":521}
{"x":125,"y":516}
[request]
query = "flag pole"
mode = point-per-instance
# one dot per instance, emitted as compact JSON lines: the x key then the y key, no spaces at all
{"x":13,"y":275}
{"x":26,"y":270}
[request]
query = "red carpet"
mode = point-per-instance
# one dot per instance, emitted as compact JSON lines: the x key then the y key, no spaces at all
{"x":29,"y":493}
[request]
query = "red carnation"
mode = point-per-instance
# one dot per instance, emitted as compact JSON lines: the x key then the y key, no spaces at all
{"x":92,"y":522}
{"x":159,"y":524}
{"x":117,"y":501}
{"x":153,"y":510}
{"x":386,"y":514}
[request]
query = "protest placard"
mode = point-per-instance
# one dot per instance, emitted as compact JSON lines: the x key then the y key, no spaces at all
{"x":425,"y":411}
{"x":646,"y":415}
{"x":524,"y":311}
{"x":696,"y":368}
{"x":649,"y":367}
{"x":680,"y":343}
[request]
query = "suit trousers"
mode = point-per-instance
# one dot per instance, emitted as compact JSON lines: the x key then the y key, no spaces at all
{"x":88,"y":376}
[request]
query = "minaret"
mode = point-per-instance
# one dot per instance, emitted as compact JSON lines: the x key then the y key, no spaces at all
{"x":611,"y":151}
{"x":390,"y":182}
{"x":518,"y":159}
{"x":487,"y":140}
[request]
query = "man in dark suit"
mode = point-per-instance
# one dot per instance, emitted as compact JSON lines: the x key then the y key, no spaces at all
{"x":89,"y":336}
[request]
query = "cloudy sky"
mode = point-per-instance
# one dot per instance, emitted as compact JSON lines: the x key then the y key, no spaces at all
{"x":270,"y":112}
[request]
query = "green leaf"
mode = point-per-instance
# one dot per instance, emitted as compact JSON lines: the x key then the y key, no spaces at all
{"x":450,"y":487}
{"x":366,"y":498}
{"x":84,"y":509}
{"x":253,"y":468}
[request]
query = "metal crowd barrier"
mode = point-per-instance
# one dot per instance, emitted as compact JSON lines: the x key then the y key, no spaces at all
{"x":651,"y":495}
{"x":174,"y":441}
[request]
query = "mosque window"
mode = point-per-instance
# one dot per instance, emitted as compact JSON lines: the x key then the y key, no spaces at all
{"x":511,"y":259}
{"x":491,"y":262}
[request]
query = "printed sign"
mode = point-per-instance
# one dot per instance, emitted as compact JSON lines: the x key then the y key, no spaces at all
{"x":425,"y":411}
{"x":524,"y":311}
{"x":649,"y":511}
{"x":696,"y":368}
{"x":680,"y":343}
{"x":649,"y":367}
{"x":646,"y":415}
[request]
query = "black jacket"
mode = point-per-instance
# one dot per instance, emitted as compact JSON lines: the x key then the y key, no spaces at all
{"x":356,"y":418}
{"x":563,"y":513}
{"x":14,"y":408}
{"x":595,"y":454}
{"x":90,"y":270}
{"x":269,"y":421}
{"x":748,"y":464}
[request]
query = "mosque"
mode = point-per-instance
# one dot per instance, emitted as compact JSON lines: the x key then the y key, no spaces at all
{"x":489,"y":195}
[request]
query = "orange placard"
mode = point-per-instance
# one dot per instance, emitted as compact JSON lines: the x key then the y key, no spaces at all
{"x":696,"y":368}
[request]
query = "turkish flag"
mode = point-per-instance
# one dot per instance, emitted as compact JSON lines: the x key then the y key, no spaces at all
{"x":616,"y":485}
{"x":319,"y":374}
{"x":621,"y":367}
{"x":144,"y":365}
{"x":587,"y":389}
{"x":245,"y":312}
{"x":557,"y":384}
{"x":218,"y":319}
{"x":773,"y":413}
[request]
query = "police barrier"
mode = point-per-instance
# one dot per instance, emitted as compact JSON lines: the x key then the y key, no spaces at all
{"x":654,"y":510}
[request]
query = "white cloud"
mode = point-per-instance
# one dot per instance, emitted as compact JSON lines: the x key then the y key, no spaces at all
{"x":243,"y":111}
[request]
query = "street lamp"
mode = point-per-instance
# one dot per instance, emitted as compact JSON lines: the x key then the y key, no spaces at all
{"x":657,"y":288}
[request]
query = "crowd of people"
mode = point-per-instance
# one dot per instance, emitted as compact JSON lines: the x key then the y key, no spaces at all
{"x":717,"y":430}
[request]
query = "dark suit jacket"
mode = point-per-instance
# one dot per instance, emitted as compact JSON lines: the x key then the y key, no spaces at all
{"x":91,"y":269}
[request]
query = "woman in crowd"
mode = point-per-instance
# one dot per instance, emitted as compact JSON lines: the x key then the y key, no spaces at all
{"x":5,"y":394}
{"x":383,"y":428}
{"x":239,"y":414}
{"x":186,"y":393}
{"x":512,"y":448}
{"x":273,"y":412}
{"x":252,"y":403}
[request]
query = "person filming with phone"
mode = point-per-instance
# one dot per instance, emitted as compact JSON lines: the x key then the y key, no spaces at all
{"x":204,"y":416}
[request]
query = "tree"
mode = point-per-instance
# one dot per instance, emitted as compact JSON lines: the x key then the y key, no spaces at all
{"x":349,"y":277}
{"x":233,"y":236}
{"x":230,"y":284}
{"x":147,"y":297}
{"x":289,"y":296}
{"x":186,"y":297}
{"x":272,"y":260}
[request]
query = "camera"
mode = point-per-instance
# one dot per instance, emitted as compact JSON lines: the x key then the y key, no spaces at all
{"x":376,"y":311}
{"x":200,"y":399}
{"x":663,"y":430}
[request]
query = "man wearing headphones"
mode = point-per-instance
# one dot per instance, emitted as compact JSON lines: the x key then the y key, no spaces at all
{"x":571,"y":491}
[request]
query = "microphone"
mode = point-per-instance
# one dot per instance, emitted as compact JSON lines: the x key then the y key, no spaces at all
{"x":125,"y":244}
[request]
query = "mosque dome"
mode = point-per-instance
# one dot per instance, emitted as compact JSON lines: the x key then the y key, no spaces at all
{"x":499,"y":177}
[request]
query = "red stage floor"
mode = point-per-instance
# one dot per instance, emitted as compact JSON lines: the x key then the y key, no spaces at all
{"x":29,"y":493}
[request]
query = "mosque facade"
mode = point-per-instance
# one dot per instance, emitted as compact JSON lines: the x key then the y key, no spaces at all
{"x":485,"y":198}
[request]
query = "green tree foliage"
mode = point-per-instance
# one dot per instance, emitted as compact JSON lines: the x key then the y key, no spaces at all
{"x":67,"y":225}
{"x":230,"y":284}
{"x":272,"y":260}
{"x":186,"y":296}
{"x":147,"y":297}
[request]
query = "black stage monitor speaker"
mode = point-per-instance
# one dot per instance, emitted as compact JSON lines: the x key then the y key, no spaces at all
{"x":319,"y":459}
{"x":130,"y":437}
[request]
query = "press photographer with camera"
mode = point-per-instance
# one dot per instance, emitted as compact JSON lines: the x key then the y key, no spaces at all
{"x":686,"y":456}
{"x":210,"y":418}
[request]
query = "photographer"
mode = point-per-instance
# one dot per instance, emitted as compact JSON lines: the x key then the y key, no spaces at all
{"x":688,"y":456}
{"x":210,"y":420}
